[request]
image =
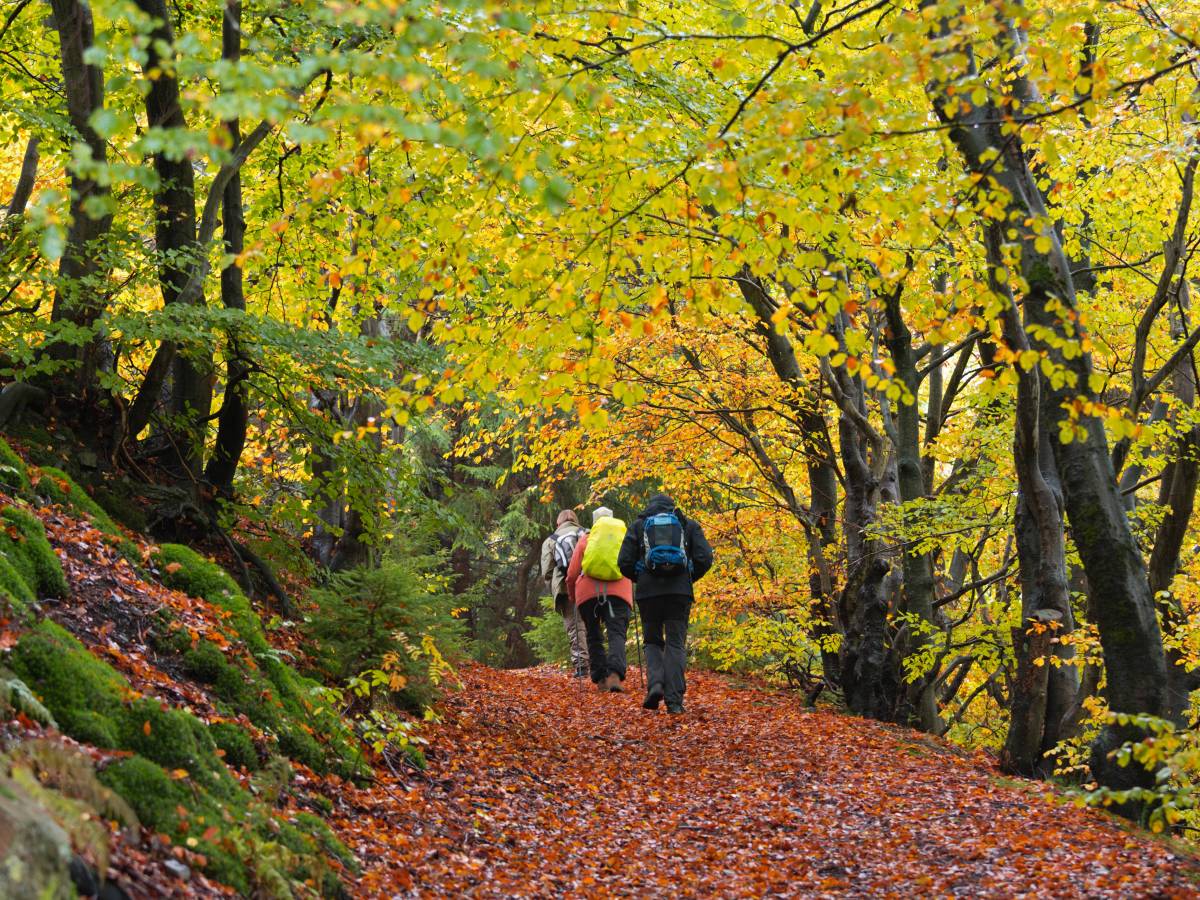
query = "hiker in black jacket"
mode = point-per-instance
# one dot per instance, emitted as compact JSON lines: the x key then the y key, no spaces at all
{"x":665,"y":553}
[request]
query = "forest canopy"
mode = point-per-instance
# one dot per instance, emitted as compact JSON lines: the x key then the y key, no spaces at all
{"x":894,"y":296}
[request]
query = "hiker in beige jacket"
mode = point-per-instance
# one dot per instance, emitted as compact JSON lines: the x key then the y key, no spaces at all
{"x":557,"y":550}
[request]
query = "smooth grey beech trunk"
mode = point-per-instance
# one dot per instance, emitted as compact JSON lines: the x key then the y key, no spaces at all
{"x":820,"y":519}
{"x":871,"y":676}
{"x":1042,"y":691}
{"x":1177,"y":493}
{"x":1120,"y":597}
{"x":920,"y":703}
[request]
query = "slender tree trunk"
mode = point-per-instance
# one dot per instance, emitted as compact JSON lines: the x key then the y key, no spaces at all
{"x":820,"y":521}
{"x":525,"y":602}
{"x":920,"y":701}
{"x":1177,"y":493}
{"x":327,"y":502}
{"x":11,"y":223}
{"x":933,"y":423}
{"x":1042,"y":691}
{"x":82,"y":270}
{"x":25,"y":180}
{"x":192,"y":291}
{"x":176,"y":237}
{"x":234,"y":416}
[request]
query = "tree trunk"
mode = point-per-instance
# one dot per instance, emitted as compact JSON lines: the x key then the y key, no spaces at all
{"x":175,"y":237}
{"x":1023,"y":753}
{"x":870,"y":673}
{"x":234,"y":416}
{"x":820,"y":521}
{"x":1039,"y":699}
{"x":525,"y":603}
{"x":920,"y":700}
{"x":82,"y":269}
{"x":326,"y":502}
{"x":25,"y":181}
{"x":1116,"y":573}
{"x":1177,"y":493}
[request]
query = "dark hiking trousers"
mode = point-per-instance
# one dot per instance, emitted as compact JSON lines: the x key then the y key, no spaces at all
{"x":611,"y":613}
{"x":665,"y":622}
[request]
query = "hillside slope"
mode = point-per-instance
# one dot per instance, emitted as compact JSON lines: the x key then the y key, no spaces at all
{"x":157,"y":741}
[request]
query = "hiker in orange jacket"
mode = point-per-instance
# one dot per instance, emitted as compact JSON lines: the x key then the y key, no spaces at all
{"x":610,"y":602}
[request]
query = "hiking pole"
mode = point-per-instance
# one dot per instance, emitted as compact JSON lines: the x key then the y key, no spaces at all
{"x":637,"y":632}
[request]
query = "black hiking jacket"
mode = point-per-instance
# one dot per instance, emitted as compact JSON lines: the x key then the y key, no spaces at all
{"x":698,"y":550}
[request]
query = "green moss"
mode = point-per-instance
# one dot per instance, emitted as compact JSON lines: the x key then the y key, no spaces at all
{"x":275,"y":704}
{"x":307,"y":843}
{"x":40,"y":445}
{"x":186,"y":570}
{"x":59,"y":487}
{"x":236,"y":744}
{"x":82,"y":693}
{"x":274,"y":696}
{"x":23,"y":542}
{"x":294,"y":839}
{"x":13,"y":585}
{"x":1041,"y":277}
{"x":244,"y":690}
{"x":149,"y":790}
{"x":175,"y":739}
{"x":273,"y":779}
{"x":117,"y":500}
{"x":13,"y":474}
{"x":88,"y":699}
{"x":15,"y":697}
{"x":328,"y":841}
{"x":158,"y":799}
{"x":226,"y":868}
{"x":298,"y":744}
{"x":205,"y":662}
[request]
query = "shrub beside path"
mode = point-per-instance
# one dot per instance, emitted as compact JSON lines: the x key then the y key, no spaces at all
{"x":538,"y":787}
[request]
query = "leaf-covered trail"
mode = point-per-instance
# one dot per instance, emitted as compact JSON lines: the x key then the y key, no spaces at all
{"x":538,"y":787}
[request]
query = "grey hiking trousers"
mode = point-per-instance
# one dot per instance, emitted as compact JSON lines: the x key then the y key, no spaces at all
{"x":575,"y":633}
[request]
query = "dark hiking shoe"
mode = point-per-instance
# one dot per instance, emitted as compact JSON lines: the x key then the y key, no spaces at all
{"x":675,"y":709}
{"x":614,"y":683}
{"x":654,"y":697}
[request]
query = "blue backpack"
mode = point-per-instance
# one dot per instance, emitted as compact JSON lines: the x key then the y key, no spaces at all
{"x":664,"y":546}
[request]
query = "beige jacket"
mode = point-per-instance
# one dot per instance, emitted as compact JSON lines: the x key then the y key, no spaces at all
{"x":556,"y":581}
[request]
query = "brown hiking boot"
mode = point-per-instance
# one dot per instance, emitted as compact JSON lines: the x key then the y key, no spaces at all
{"x":602,"y":685}
{"x":613,"y":684}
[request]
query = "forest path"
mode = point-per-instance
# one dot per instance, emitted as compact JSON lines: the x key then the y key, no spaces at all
{"x":540,"y":787}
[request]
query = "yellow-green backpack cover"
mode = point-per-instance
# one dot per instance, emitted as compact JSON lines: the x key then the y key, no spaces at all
{"x":603,"y":547}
